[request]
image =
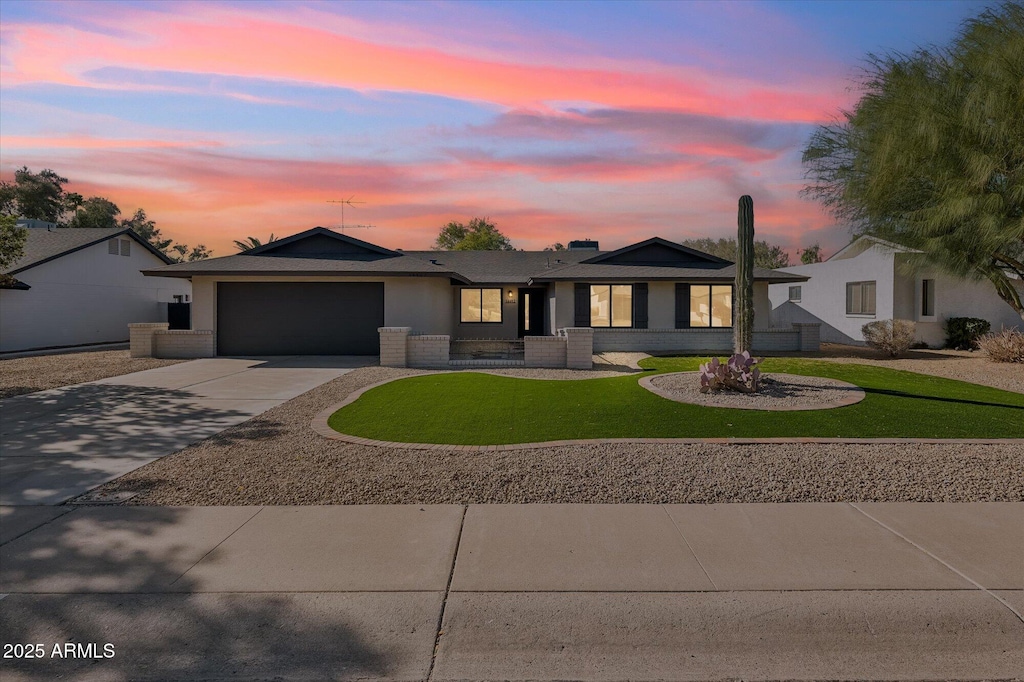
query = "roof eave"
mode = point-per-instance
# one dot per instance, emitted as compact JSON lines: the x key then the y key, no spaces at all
{"x":149,"y":247}
{"x":189,"y":274}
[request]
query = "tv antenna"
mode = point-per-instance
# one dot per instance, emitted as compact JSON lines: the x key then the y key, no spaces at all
{"x":350,"y":203}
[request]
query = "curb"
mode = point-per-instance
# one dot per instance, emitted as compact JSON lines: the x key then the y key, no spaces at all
{"x":319,"y":425}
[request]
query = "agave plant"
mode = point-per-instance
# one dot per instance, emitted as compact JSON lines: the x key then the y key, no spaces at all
{"x":739,"y":373}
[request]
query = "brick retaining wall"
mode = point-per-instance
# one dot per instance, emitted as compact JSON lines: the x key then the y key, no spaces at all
{"x":184,"y":343}
{"x":426,"y":350}
{"x":544,"y":351}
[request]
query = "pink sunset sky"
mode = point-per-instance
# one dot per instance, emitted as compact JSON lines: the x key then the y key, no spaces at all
{"x":559,"y":121}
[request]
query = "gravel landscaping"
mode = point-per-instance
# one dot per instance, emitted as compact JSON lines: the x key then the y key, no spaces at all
{"x":38,"y":373}
{"x":971,"y":366}
{"x":776,"y":392}
{"x":277,"y":459}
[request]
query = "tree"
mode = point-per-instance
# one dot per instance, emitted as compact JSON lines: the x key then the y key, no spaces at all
{"x":252,"y":242}
{"x":12,"y":245}
{"x":766,"y":255}
{"x":180,"y":253}
{"x":96,"y":212}
{"x":479,"y":235}
{"x":147,"y":229}
{"x":38,"y":196}
{"x":557,"y":246}
{"x":812,"y":254}
{"x":41,"y":196}
{"x":932,"y":155}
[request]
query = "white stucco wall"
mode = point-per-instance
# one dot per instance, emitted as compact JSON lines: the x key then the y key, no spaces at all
{"x":85,"y":297}
{"x":823,"y":297}
{"x":898,"y":296}
{"x":954,"y":297}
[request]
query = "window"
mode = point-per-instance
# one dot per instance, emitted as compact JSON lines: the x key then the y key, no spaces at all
{"x":611,"y":305}
{"x":927,"y":298}
{"x":526,"y":311}
{"x":795,"y":293}
{"x":112,"y":247}
{"x":860,"y":298}
{"x":710,"y":305}
{"x":126,"y":247}
{"x":480,"y":305}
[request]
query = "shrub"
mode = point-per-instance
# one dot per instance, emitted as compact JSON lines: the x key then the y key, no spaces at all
{"x":962,"y":333}
{"x":892,"y":337}
{"x":1004,"y":346}
{"x":739,"y":373}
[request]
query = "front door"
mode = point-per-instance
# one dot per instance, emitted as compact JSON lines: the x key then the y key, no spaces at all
{"x":531,"y":312}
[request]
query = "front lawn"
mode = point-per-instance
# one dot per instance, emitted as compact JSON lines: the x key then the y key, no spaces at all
{"x":469,"y":408}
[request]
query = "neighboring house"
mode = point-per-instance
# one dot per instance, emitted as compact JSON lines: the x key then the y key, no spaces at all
{"x":320,"y":292}
{"x":75,"y":287}
{"x":873,"y":279}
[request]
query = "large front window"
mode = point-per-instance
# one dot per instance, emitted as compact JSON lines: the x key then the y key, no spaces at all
{"x":611,"y":305}
{"x":480,"y":305}
{"x":710,"y":305}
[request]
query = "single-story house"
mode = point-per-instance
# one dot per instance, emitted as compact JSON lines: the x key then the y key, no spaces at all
{"x":82,"y":286}
{"x":321,"y":292}
{"x":873,"y":279}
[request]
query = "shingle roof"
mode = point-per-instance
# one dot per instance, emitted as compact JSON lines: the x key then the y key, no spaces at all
{"x":476,"y":267}
{"x":241,"y":264}
{"x":43,"y":245}
{"x":689,"y":271}
{"x":503,"y":267}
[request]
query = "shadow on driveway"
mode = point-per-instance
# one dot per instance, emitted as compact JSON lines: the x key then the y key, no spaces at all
{"x":130,"y":561}
{"x":60,"y":443}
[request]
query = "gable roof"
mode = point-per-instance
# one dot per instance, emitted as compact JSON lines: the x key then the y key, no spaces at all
{"x":42,"y":245}
{"x":324,"y":243}
{"x":655,"y":251}
{"x":330,"y":253}
{"x":863,"y":243}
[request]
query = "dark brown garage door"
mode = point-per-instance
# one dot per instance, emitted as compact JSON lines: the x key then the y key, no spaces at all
{"x":299,"y":318}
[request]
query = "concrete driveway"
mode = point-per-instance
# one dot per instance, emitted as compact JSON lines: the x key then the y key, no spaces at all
{"x":60,"y":443}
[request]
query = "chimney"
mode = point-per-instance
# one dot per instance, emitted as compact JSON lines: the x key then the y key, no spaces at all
{"x":583,"y":245}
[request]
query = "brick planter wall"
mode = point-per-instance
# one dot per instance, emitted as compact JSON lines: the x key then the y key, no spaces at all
{"x":426,"y":350}
{"x":801,"y":337}
{"x":810,"y":335}
{"x":184,"y":343}
{"x":141,"y":343}
{"x":545,"y":351}
{"x":393,"y":346}
{"x":775,"y":340}
{"x":579,"y":350}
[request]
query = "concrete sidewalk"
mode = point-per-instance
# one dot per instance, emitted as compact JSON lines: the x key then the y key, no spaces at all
{"x":60,"y":443}
{"x":539,"y":592}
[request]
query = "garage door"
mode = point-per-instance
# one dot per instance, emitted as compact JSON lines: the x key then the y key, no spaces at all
{"x":299,"y":318}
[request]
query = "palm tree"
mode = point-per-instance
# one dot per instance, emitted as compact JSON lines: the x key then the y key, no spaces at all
{"x":252,"y":243}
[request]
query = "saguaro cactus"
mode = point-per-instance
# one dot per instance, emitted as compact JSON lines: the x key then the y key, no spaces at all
{"x":743,"y":325}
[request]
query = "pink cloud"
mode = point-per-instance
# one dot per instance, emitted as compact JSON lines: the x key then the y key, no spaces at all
{"x":230,"y":42}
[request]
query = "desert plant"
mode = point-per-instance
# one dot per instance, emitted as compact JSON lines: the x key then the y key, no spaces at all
{"x":738,"y":373}
{"x":743,"y":333}
{"x":962,"y":333}
{"x":1004,"y":346}
{"x":892,"y":337}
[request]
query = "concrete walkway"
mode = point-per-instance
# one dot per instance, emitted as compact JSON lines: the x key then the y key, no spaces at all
{"x":59,"y":443}
{"x":540,"y":592}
